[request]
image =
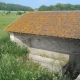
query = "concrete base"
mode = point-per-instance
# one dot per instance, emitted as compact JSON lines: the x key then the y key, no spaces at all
{"x":51,"y":60}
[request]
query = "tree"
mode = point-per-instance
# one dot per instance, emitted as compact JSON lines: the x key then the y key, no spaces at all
{"x":77,"y":7}
{"x":50,"y":8}
{"x":43,"y":8}
{"x":59,"y":6}
{"x":14,"y":7}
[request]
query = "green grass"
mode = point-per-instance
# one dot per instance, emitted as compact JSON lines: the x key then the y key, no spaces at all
{"x":9,"y":47}
{"x":14,"y":64}
{"x":15,"y":69}
{"x":5,"y":20}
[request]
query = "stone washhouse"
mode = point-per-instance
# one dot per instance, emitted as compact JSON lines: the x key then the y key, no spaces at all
{"x":53,"y":37}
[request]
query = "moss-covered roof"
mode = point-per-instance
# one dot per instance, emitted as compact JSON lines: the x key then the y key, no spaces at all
{"x":54,"y":23}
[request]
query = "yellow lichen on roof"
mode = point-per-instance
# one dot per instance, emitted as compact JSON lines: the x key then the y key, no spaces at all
{"x":61,"y":24}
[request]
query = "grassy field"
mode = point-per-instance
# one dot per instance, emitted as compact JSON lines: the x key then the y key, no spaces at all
{"x":5,"y":20}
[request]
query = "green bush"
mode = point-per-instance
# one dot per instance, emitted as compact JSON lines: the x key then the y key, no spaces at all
{"x":19,"y":13}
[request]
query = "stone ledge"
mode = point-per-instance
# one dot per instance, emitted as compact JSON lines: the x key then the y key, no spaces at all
{"x":51,"y":64}
{"x":50,"y":54}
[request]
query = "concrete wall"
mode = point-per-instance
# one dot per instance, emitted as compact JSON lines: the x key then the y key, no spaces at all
{"x":55,"y":44}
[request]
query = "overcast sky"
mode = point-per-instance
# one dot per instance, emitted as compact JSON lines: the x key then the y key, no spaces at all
{"x":38,"y":3}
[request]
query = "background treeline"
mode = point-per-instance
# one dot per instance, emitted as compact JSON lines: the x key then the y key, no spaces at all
{"x":59,"y":6}
{"x":14,"y":7}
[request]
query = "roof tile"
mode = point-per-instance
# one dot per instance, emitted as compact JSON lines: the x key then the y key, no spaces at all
{"x":57,"y":23}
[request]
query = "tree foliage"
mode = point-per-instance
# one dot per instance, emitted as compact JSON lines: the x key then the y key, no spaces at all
{"x":14,"y":7}
{"x":59,"y":6}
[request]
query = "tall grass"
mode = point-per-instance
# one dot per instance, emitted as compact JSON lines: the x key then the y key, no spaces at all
{"x":9,"y":47}
{"x":13,"y":66}
{"x":15,"y":69}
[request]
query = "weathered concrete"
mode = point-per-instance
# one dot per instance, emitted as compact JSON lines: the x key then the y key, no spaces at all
{"x":62,"y":58}
{"x":54,"y":61}
{"x":52,"y":64}
{"x":48,"y":43}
